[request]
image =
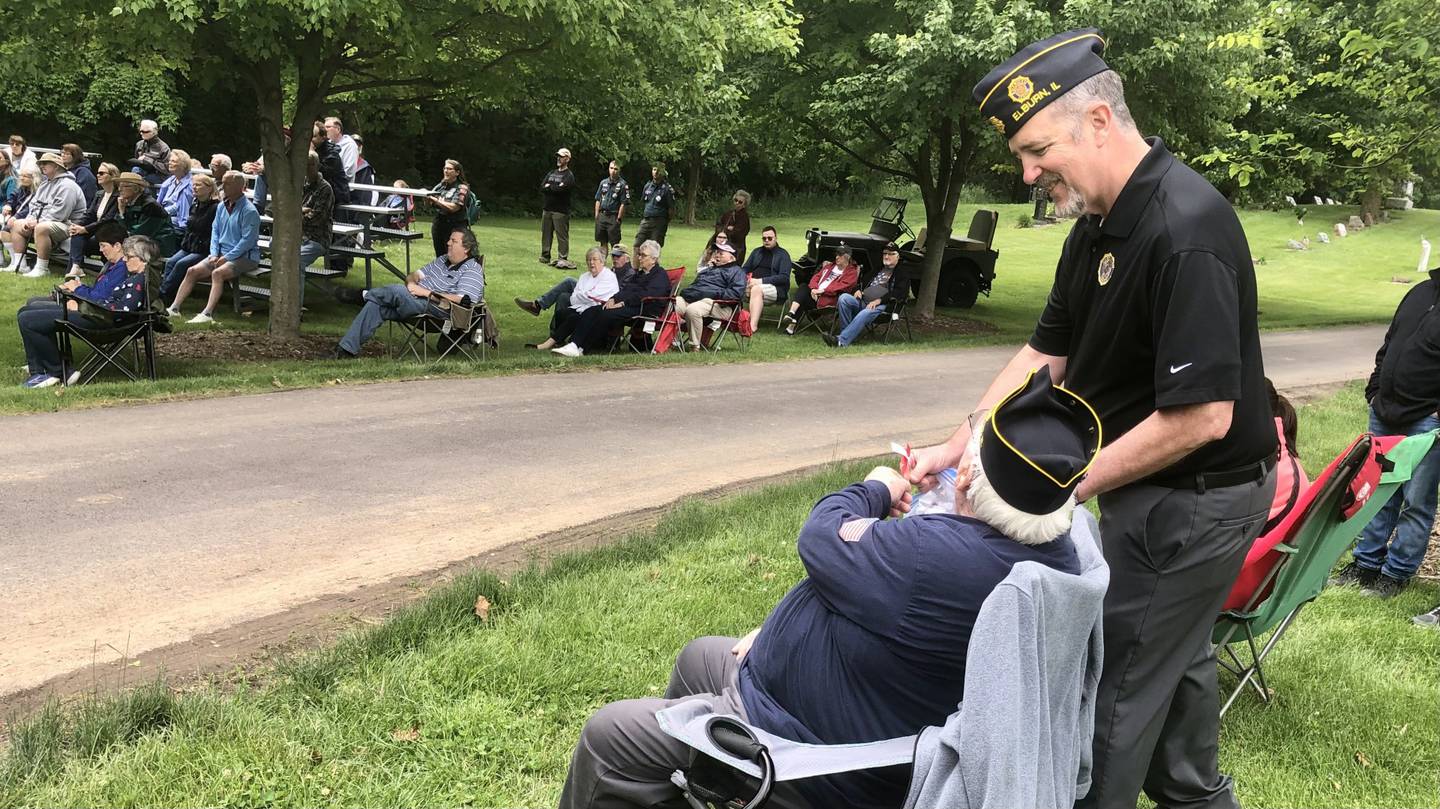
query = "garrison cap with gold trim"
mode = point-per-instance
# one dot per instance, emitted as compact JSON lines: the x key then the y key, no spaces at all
{"x":1040,"y":73}
{"x":1038,"y":443}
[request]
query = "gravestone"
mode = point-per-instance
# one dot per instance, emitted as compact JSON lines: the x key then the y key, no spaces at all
{"x":1339,"y":230}
{"x":1368,"y":218}
{"x":1324,"y":237}
{"x":1355,"y":224}
{"x":1329,"y":201}
{"x":1290,"y":200}
{"x":1318,"y":201}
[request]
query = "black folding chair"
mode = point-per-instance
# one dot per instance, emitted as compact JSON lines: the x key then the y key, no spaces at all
{"x":457,"y":327}
{"x":894,"y":317}
{"x":126,"y":344}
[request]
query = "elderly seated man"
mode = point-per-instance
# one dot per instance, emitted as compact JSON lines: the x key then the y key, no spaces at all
{"x":889,"y":285}
{"x":872,"y":643}
{"x":152,"y":155}
{"x":721,"y":280}
{"x":56,"y":205}
{"x":234,"y":248}
{"x":458,"y":277}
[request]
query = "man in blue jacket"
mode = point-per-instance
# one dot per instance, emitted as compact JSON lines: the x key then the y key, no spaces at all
{"x":872,"y":644}
{"x":721,"y":280}
{"x":234,"y":248}
{"x":769,"y":269}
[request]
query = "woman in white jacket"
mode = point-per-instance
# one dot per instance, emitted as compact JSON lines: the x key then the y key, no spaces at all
{"x":592,"y":289}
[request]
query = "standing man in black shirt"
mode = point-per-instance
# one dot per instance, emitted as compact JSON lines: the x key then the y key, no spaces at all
{"x":555,"y":215}
{"x":1152,"y":319}
{"x":1404,"y":394}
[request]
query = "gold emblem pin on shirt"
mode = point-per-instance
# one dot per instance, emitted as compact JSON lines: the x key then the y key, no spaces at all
{"x":1107,"y":269}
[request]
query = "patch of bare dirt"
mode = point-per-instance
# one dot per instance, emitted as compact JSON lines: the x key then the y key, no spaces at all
{"x":1430,"y":568}
{"x":223,"y":344}
{"x":942,"y":325}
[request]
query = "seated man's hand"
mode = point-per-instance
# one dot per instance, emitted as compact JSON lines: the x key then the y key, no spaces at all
{"x":899,"y":488}
{"x":71,"y":285}
{"x":76,"y":230}
{"x":928,"y":463}
{"x":873,"y":304}
{"x":742,"y":646}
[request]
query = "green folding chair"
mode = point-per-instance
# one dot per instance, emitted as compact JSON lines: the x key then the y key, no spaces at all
{"x":1287,"y":567}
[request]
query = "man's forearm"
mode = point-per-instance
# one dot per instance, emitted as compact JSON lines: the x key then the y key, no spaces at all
{"x":1009,"y":378}
{"x":1163,"y":438}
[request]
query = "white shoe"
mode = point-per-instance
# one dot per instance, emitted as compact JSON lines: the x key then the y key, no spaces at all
{"x":24,"y":369}
{"x":171,"y":311}
{"x":75,"y":272}
{"x":201,"y":318}
{"x":73,"y":378}
{"x":569,"y":350}
{"x":35,"y":273}
{"x":47,"y":382}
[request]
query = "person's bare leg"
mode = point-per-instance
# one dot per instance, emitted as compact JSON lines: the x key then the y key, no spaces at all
{"x":201,"y":269}
{"x":757,"y":304}
{"x":42,"y":245}
{"x":218,"y":278}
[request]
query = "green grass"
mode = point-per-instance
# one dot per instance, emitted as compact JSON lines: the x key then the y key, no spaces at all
{"x":1344,"y":282}
{"x":435,"y":708}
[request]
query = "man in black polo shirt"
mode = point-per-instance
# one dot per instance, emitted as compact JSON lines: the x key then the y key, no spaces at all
{"x":1151,"y":319}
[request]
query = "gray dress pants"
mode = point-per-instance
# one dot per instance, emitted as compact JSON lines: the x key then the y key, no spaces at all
{"x":1174,"y":555}
{"x":624,"y":760}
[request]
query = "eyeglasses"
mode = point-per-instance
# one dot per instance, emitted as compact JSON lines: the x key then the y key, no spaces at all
{"x":101,"y":173}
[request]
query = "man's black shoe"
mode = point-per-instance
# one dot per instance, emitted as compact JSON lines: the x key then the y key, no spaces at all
{"x":1386,"y":586}
{"x":350,"y":295}
{"x":533,"y":307}
{"x":1354,"y":574}
{"x":341,"y":354}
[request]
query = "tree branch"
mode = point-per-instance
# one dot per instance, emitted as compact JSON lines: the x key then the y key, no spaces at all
{"x":825,"y":135}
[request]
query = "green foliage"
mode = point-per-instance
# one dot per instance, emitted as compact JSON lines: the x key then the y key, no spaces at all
{"x":1024,"y":220}
{"x":1342,"y":96}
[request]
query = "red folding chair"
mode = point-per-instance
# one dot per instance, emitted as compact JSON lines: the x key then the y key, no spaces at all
{"x":663,"y":324}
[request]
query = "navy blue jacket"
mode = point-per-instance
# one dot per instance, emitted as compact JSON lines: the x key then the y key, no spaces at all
{"x":85,"y":178}
{"x":653,"y":284}
{"x":720,"y":282}
{"x":872,"y":644}
{"x":770,"y":266}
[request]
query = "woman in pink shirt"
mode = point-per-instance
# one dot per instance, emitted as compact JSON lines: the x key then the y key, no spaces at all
{"x":1290,"y":479}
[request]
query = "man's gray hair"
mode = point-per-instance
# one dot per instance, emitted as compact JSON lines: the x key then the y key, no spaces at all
{"x":991,"y":509}
{"x":223,"y":159}
{"x":649,"y":246}
{"x":1106,"y":87}
{"x":142,"y":247}
{"x":147,"y":123}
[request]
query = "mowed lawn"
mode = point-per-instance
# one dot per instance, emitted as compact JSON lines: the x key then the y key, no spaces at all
{"x":439,"y":708}
{"x":1347,"y":281}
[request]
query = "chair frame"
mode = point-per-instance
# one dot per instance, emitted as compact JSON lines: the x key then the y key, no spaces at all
{"x":882,"y":326}
{"x":108,"y":344}
{"x":466,"y":322}
{"x":677,"y":276}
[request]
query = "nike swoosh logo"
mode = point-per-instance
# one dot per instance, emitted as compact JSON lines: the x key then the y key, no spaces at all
{"x":1175,"y":369}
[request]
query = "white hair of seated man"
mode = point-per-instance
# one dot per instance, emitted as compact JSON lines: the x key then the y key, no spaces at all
{"x":988,"y":507}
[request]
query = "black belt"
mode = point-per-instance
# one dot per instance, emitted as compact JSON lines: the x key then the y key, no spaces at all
{"x":1201,"y":481}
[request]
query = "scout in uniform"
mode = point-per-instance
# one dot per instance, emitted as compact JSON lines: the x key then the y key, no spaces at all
{"x":611,"y":196}
{"x":1152,"y":319}
{"x":658,"y":199}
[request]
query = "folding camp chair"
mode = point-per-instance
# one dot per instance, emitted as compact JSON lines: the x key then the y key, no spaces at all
{"x":737,"y":765}
{"x":735,"y":325}
{"x":893,"y":318}
{"x":1288,"y":566}
{"x":127,"y":344}
{"x":457,"y":327}
{"x":657,"y":323}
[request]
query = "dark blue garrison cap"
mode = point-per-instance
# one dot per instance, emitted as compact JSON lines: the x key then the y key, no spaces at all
{"x":1011,"y":94}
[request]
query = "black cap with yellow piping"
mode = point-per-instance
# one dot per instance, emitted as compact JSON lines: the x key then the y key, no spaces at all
{"x":1011,"y":94}
{"x":1038,"y":443}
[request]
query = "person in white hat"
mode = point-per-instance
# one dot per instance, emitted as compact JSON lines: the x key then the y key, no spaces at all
{"x":555,"y":215}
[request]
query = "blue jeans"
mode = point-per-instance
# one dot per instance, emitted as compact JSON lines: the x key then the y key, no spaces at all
{"x":854,"y":317}
{"x":261,"y":193}
{"x":557,"y":293}
{"x":1409,"y":514}
{"x":175,"y":267}
{"x":393,"y":302}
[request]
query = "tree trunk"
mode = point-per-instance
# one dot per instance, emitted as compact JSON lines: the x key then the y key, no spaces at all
{"x":692,"y":182}
{"x":285,"y":169}
{"x":1372,"y":198}
{"x":937,"y":236}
